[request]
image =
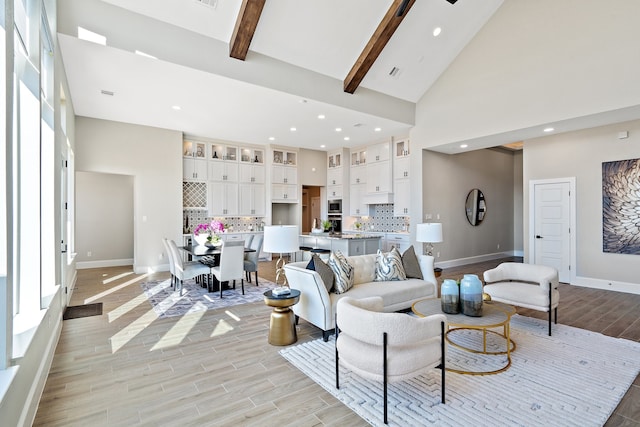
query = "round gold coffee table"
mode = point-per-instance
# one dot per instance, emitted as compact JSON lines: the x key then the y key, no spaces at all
{"x":494,"y":315}
{"x":282,"y":328}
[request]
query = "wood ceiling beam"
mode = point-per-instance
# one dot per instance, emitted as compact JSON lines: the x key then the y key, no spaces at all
{"x":246,"y":25}
{"x":378,"y":41}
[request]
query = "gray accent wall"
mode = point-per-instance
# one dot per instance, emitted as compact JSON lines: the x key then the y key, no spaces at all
{"x":446,"y":181}
{"x":580,"y":154}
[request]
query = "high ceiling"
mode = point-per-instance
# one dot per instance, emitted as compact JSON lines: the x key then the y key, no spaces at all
{"x":299,"y":56}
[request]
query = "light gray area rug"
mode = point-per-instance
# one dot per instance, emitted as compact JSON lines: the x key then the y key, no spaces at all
{"x":168,"y":303}
{"x":573,"y":378}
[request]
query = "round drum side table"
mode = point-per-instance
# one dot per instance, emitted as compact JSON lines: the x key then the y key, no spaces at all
{"x":282,"y":328}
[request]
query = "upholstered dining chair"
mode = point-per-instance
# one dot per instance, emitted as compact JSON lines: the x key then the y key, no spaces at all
{"x":387,"y":347}
{"x":251,"y":258}
{"x":248,"y":240}
{"x":172,"y":266}
{"x":185,"y":270}
{"x":231,"y":264}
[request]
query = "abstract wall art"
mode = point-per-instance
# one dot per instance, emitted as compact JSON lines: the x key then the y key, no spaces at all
{"x":621,"y":207}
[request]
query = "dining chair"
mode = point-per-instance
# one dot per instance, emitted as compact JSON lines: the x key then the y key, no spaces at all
{"x":231,"y":264}
{"x":185,"y":270}
{"x":248,"y":240}
{"x":251,"y":258}
{"x":172,"y":266}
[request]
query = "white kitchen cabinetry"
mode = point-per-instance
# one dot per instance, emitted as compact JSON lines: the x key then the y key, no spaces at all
{"x":284,"y":176}
{"x":401,"y":148}
{"x":358,"y":175}
{"x":252,"y":173}
{"x":252,"y":155}
{"x":194,"y":169}
{"x":223,"y":198}
{"x":359,"y":156}
{"x":357,"y":205}
{"x":379,"y":179}
{"x":401,"y":241}
{"x":223,"y":171}
{"x":401,"y":186}
{"x":194,"y":164}
{"x":252,"y":200}
{"x":334,"y":183}
{"x":223,"y":152}
{"x":334,"y":159}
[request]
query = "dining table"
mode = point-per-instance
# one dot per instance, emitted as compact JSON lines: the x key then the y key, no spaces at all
{"x":209,"y":256}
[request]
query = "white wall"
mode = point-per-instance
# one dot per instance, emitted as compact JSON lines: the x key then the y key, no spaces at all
{"x":580,"y":154}
{"x":535,"y":62}
{"x":309,"y":160}
{"x":154,"y":158}
{"x":104,"y":225}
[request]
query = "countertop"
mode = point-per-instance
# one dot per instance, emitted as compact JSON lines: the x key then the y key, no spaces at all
{"x":339,"y":236}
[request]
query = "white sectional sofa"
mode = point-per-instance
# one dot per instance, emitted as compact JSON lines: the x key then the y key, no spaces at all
{"x":317,"y":306}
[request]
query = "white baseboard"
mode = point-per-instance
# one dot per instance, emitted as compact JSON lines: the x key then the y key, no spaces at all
{"x":104,"y":263}
{"x":609,"y":285}
{"x":474,"y":259}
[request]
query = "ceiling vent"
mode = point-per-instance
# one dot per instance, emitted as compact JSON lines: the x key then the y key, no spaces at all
{"x":394,"y":72}
{"x":210,"y":3}
{"x":107,"y":92}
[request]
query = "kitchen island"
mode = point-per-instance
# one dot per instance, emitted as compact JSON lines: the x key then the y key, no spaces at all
{"x":348,"y":244}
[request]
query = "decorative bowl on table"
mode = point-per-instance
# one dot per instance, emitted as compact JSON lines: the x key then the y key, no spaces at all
{"x":213,"y":244}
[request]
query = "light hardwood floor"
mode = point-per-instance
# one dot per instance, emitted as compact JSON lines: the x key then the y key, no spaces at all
{"x":216,"y":368}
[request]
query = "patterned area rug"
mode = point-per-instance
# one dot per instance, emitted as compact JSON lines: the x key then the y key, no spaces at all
{"x":168,"y":303}
{"x":574,"y":378}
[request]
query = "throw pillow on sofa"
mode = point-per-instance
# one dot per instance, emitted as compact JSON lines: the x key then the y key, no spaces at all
{"x":411,"y":264}
{"x":326,"y":273}
{"x":343,"y":272}
{"x":389,"y":266}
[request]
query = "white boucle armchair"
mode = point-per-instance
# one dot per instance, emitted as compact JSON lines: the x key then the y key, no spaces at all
{"x":525,"y":285}
{"x":387,"y":346}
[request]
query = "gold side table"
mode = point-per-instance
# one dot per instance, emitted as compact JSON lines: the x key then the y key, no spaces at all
{"x":282,"y":328}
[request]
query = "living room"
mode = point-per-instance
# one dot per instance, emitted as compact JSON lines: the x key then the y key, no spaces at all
{"x":575,"y":74}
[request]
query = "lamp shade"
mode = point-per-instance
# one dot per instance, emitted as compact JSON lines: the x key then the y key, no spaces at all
{"x":281,"y":239}
{"x":429,"y":232}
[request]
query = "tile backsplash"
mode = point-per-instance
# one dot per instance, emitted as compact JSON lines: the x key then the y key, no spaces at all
{"x":383,"y":219}
{"x":192,"y":217}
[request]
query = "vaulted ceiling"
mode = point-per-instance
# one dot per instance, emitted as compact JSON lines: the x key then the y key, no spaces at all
{"x":251,"y":70}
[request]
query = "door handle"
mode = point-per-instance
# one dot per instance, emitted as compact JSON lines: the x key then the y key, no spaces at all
{"x":538,"y":236}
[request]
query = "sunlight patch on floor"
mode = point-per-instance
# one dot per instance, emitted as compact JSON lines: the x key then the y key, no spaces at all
{"x":179,"y":330}
{"x":129,"y":332}
{"x":233,"y":316}
{"x":114,"y":289}
{"x":118,"y":312}
{"x":114,"y":278}
{"x":221,"y":328}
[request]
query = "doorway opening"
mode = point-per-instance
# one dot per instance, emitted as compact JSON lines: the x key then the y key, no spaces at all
{"x":311,"y":208}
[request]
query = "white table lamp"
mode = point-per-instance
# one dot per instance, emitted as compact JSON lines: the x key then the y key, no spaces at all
{"x":281,"y":239}
{"x":429,"y":233}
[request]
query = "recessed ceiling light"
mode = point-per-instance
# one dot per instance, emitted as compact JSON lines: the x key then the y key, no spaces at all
{"x":437,"y":31}
{"x":338,"y":129}
{"x":323,"y":146}
{"x":463,"y":145}
{"x":293,"y":129}
{"x":377,"y":129}
{"x":346,"y":138}
{"x":321,"y":116}
{"x":549,"y":129}
{"x":271,"y":138}
{"x":176,"y":107}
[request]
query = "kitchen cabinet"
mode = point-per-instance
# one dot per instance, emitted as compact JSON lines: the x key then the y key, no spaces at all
{"x":284,"y":193}
{"x":334,"y":176}
{"x":334,"y":160}
{"x":357,"y":204}
{"x":223,"y":171}
{"x":358,"y":175}
{"x":284,"y":175}
{"x":285,"y":158}
{"x":194,"y":165}
{"x":379,"y":152}
{"x":194,"y":169}
{"x":223,"y":198}
{"x":401,"y":186}
{"x":251,"y":173}
{"x":401,"y":148}
{"x":401,"y":241}
{"x":252,"y":155}
{"x":223,"y":152}
{"x":358,"y":156}
{"x":252,"y":200}
{"x":379,"y":177}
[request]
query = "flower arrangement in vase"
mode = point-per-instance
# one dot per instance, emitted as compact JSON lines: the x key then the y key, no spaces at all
{"x":207,"y":234}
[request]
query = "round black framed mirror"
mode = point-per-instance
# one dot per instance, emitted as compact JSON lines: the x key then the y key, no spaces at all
{"x":475,"y":207}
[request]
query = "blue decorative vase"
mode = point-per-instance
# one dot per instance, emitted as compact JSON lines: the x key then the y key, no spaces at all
{"x":450,"y":297}
{"x":471,"y":295}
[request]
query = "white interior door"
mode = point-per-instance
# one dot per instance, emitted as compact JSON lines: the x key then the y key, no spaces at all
{"x":551,"y":234}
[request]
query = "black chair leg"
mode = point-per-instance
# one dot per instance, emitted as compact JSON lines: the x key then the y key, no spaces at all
{"x":256,"y":277}
{"x":242,"y":282}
